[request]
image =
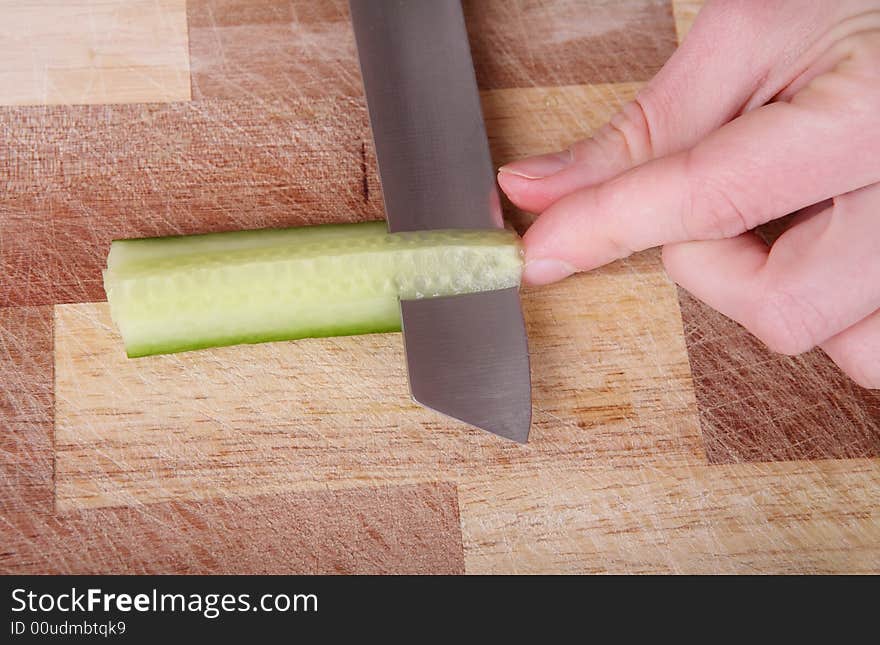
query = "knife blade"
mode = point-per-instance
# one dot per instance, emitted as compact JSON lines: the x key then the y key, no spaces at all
{"x":467,"y":355}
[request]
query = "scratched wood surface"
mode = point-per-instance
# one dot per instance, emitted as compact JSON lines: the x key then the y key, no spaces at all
{"x":665,"y":439}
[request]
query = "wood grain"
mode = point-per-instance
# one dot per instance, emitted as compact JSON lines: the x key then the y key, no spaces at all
{"x":521,"y":43}
{"x":759,"y":406}
{"x":269,"y":50}
{"x":273,"y":50}
{"x":811,"y":517}
{"x":411,"y":529}
{"x":336,"y":413}
{"x":26,"y":414}
{"x":93,"y":51}
{"x":309,"y":456}
{"x":27,"y":456}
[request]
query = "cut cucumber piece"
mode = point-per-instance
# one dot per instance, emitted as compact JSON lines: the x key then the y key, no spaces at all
{"x":173,"y":294}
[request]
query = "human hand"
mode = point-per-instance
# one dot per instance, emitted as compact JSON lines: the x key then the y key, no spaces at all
{"x":767,"y":108}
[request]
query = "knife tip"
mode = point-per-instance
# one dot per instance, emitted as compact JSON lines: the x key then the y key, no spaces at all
{"x":513,"y":424}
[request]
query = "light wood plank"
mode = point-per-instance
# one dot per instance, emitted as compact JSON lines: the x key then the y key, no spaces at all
{"x":93,"y":51}
{"x":817,"y":517}
{"x":685,"y":12}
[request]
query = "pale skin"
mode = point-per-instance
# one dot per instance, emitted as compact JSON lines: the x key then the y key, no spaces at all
{"x":769,"y":107}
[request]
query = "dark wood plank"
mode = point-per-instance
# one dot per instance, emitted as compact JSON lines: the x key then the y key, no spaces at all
{"x":407,"y":529}
{"x":26,"y":430}
{"x":528,"y":43}
{"x":759,"y":406}
{"x":26,"y":416}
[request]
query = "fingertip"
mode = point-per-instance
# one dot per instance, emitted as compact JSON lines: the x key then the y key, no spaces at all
{"x":546,"y":270}
{"x":539,"y":166}
{"x":524,"y":193}
{"x":539,"y":241}
{"x":511,"y":183}
{"x":523,"y":180}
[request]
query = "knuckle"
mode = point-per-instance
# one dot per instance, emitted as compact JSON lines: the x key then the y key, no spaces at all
{"x":785,"y":323}
{"x":583,"y":148}
{"x":629,"y":132}
{"x":710,"y":212}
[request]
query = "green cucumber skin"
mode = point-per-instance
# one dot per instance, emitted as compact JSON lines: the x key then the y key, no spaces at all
{"x":150,"y":249}
{"x":377,"y":327}
{"x":185,"y":293}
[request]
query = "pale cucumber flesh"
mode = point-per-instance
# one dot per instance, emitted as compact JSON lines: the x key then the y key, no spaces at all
{"x":176,"y":294}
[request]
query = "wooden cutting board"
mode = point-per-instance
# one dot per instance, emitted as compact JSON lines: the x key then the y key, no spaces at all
{"x":665,"y":438}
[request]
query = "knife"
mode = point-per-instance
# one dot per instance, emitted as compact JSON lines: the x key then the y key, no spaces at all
{"x":466,"y":355}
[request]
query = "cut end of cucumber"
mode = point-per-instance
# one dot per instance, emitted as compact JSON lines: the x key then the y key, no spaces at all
{"x":183,"y":293}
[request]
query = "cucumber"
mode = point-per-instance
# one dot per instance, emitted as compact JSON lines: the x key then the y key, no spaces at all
{"x":174,"y":294}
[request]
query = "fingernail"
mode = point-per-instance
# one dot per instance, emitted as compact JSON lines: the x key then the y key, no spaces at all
{"x":540,"y":166}
{"x":546,"y":270}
